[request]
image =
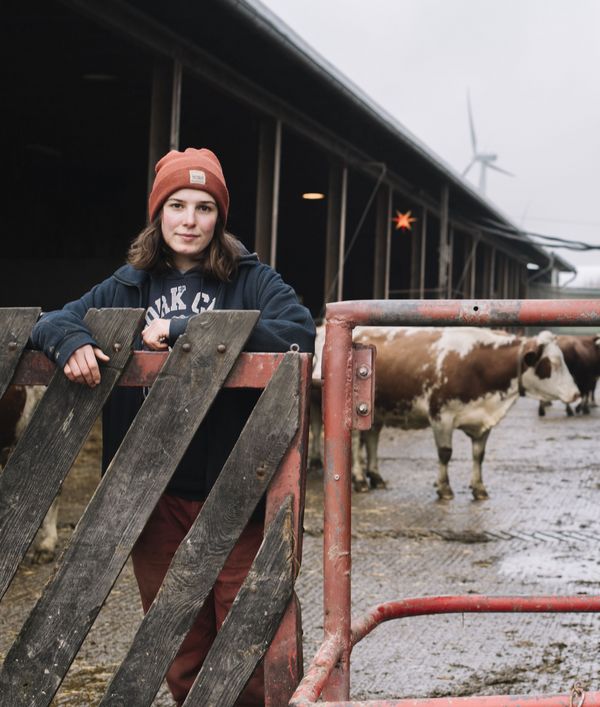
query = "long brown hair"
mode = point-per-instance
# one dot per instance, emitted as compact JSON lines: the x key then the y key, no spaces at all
{"x":148,"y":251}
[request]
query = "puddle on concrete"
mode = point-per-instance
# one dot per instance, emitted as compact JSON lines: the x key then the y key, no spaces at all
{"x":550,"y":566}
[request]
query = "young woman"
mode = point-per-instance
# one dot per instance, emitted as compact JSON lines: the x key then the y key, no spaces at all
{"x":184,"y":263}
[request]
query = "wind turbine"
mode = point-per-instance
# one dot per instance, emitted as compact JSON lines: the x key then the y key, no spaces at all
{"x":485,"y":159}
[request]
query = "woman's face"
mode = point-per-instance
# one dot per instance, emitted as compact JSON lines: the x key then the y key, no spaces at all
{"x":188,"y":221}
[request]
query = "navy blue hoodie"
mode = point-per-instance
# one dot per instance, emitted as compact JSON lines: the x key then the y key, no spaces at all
{"x":283,"y":322}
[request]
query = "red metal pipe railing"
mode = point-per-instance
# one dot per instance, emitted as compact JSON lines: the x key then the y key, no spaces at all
{"x":329,"y":653}
{"x":591,"y":699}
{"x":337,"y":418}
{"x":465,"y":312}
{"x":341,"y":318}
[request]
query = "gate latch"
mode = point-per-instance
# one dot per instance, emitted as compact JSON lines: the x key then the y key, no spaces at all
{"x":363,"y":386}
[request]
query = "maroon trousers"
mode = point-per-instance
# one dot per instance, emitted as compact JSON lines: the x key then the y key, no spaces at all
{"x":152,"y":555}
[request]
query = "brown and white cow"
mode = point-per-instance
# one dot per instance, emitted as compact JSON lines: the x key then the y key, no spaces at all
{"x":447,"y":379}
{"x":16,"y":408}
{"x":582,"y":356}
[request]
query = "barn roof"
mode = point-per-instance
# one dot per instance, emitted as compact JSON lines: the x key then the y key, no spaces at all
{"x":259,"y":48}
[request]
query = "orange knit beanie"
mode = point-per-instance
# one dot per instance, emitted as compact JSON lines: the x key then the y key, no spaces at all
{"x":192,"y":169}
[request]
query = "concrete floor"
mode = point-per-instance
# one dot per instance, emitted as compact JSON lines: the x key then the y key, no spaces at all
{"x":537,"y":534}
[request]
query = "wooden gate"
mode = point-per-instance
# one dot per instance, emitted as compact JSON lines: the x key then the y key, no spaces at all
{"x":269,"y":456}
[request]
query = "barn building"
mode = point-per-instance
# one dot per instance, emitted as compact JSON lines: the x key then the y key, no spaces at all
{"x":94,"y":92}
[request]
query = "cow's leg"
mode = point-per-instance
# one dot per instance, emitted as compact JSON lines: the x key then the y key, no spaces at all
{"x":585,"y":404}
{"x":44,"y":546}
{"x":315,"y":450}
{"x":359,"y":479}
{"x":442,"y":434}
{"x":476,"y":485}
{"x":542,"y":407}
{"x":569,"y":410}
{"x":371,"y":440}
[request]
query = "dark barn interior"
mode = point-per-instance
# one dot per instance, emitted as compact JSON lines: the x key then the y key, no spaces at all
{"x":81,"y":100}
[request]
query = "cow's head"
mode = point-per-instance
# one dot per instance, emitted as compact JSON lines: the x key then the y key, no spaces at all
{"x":544,"y":373}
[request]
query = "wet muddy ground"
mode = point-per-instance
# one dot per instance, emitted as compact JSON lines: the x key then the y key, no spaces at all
{"x":538,"y":533}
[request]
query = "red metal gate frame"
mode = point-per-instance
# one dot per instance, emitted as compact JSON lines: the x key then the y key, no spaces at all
{"x":329,"y":673}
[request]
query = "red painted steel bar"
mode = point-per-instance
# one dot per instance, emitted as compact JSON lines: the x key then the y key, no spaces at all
{"x":592,"y":699}
{"x":251,"y":370}
{"x":470,"y":604}
{"x":337,"y":418}
{"x":465,"y":312}
{"x":310,"y":688}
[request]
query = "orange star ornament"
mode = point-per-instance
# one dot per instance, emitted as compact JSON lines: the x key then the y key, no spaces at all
{"x":404,"y":221}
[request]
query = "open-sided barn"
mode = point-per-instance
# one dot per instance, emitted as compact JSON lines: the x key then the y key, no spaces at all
{"x":94,"y":92}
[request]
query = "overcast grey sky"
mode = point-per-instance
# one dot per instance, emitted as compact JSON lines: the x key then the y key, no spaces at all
{"x":532,"y":68}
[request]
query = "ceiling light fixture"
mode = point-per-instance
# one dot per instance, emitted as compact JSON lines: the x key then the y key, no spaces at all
{"x":313,"y":195}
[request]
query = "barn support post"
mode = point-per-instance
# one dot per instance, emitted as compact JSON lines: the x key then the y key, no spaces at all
{"x":505,"y":277}
{"x":336,"y":231}
{"x":473,"y":267}
{"x":492,"y":290}
{"x":160,"y":114}
{"x":267,"y":196}
{"x":176,"y":105}
{"x":444,"y":259}
{"x":415,"y":257}
{"x":485,"y":281}
{"x":423,"y":254}
{"x":381,"y":270}
{"x":337,"y":417}
{"x":450,"y":261}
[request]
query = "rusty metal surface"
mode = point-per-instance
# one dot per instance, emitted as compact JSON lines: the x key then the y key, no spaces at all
{"x":363,"y":389}
{"x":337,"y":416}
{"x":252,"y":370}
{"x":592,"y":699}
{"x":465,"y":312}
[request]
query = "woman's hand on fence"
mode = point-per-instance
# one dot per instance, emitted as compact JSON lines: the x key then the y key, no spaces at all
{"x":156,"y":335}
{"x":82,"y":366}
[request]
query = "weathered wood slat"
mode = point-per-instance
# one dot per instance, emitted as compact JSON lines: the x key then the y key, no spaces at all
{"x":177,"y":403}
{"x":202,"y":554}
{"x":15,"y":326}
{"x":52,"y":440}
{"x":252,"y":620}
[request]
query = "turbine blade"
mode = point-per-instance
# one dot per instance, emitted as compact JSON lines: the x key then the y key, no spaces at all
{"x":468,"y":167}
{"x":471,"y":124}
{"x":499,"y":169}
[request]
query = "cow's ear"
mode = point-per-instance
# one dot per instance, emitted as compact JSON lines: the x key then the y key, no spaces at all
{"x":532,"y":353}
